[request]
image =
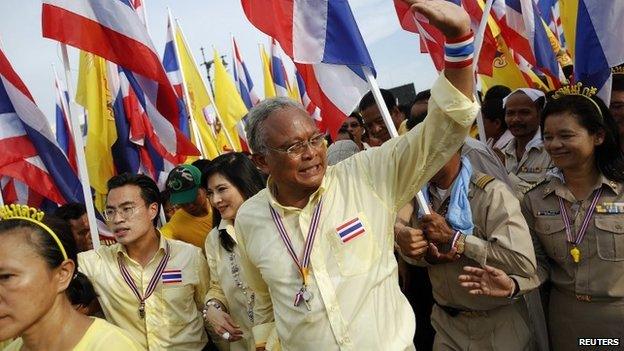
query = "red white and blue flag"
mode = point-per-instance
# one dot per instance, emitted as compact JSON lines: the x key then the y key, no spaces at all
{"x":112,"y":30}
{"x":323,"y":40}
{"x":30,"y":153}
{"x":350,"y":230}
{"x":243,"y":81}
{"x":278,"y":72}
{"x":171,"y":276}
{"x":312,"y":109}
{"x":64,"y":135}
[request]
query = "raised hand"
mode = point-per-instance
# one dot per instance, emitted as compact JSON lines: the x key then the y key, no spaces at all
{"x":450,"y":19}
{"x":411,"y":241}
{"x":488,"y":281}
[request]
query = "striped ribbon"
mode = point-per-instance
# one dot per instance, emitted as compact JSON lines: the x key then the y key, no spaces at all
{"x":152,"y":283}
{"x":459,"y":52}
{"x":583,"y":229}
{"x":305,"y":261}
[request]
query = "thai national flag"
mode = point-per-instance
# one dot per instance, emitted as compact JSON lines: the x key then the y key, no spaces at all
{"x":64,"y":135}
{"x":599,"y":43}
{"x":350,"y":230}
{"x":278,"y":72}
{"x":112,"y":30}
{"x":30,"y":153}
{"x":171,"y":276}
{"x":323,"y":40}
{"x":312,"y":109}
{"x":243,"y":81}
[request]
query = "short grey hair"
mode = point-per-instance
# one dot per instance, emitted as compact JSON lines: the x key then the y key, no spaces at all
{"x":258,"y":114}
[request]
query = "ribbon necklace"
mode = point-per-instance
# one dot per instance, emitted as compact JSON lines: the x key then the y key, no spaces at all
{"x":152,"y":283}
{"x":303,"y":294}
{"x":575,"y":252}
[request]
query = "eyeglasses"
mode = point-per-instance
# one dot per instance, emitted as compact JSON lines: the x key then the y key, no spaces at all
{"x":298,"y":148}
{"x":125,"y":213}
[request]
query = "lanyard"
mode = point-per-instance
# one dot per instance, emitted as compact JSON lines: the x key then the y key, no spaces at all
{"x":580,"y":235}
{"x":152,"y":283}
{"x":304,"y":263}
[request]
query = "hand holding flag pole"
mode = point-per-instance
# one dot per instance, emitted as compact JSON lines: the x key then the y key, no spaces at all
{"x":80,"y":156}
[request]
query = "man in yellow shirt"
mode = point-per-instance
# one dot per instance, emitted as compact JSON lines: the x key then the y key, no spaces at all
{"x":193,"y":221}
{"x":317,"y":244}
{"x":150,"y":286}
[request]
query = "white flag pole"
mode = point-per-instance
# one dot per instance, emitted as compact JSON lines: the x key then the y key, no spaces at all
{"x":80,"y":156}
{"x":186,"y":97}
{"x":1,"y":198}
{"x":479,"y":38}
{"x":385,"y":114}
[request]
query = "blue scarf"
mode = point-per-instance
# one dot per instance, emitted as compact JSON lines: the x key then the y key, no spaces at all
{"x":458,"y":214}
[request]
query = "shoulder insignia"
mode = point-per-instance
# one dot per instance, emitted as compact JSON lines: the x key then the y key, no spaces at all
{"x":533,"y":186}
{"x":484,"y":180}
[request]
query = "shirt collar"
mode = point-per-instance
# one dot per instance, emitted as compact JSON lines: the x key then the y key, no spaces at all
{"x":312,"y":199}
{"x":558,"y":183}
{"x":535,"y":143}
{"x":161,"y":245}
{"x":228,"y":226}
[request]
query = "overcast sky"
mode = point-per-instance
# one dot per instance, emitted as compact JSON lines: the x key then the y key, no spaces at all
{"x":208,"y":23}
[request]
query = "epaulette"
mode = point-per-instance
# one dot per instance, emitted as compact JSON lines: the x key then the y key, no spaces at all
{"x":533,"y":186}
{"x":484,"y":180}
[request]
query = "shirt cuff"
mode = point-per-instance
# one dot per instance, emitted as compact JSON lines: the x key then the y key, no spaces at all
{"x":476,"y":248}
{"x":262,"y":332}
{"x":453,"y":102}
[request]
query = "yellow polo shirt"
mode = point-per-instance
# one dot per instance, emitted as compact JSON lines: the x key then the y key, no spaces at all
{"x":172,"y":313}
{"x":357,"y":303}
{"x":188,"y":228}
{"x":101,"y":336}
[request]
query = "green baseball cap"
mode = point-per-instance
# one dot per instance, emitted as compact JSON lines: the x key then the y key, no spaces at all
{"x":183,"y":183}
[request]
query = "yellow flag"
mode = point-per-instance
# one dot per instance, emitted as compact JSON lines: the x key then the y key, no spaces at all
{"x":293,"y":91}
{"x":198,"y":99}
{"x":94,"y":95}
{"x":569,"y":12}
{"x":269,"y":86}
{"x":227,"y":99}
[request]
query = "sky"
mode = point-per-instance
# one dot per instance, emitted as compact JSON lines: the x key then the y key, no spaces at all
{"x":207,"y":23}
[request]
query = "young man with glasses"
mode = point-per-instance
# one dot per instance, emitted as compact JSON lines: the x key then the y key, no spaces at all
{"x":150,"y":286}
{"x":317,"y":243}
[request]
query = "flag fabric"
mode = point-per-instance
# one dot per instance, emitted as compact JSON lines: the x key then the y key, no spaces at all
{"x":598,"y":46}
{"x":113,"y":31}
{"x":202,"y":109}
{"x":17,"y":192}
{"x":244,"y":84}
{"x":307,"y":103}
{"x":551,"y":13}
{"x":139,"y":8}
{"x":278,"y":72}
{"x":269,"y":86}
{"x":323,"y":40}
{"x":31,"y":154}
{"x":227,"y":100}
{"x":569,"y":11}
{"x":64,"y":135}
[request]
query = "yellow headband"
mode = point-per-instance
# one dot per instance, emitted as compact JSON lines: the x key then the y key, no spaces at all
{"x":617,"y":69}
{"x":32,"y":215}
{"x":579,"y":90}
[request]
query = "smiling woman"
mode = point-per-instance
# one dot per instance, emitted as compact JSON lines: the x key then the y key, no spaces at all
{"x":39,"y":283}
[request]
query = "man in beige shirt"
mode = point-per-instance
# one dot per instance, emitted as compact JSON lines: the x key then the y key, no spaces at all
{"x":346,"y":297}
{"x":500,"y":238}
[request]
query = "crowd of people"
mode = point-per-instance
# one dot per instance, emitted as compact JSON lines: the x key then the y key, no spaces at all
{"x":432,"y":240}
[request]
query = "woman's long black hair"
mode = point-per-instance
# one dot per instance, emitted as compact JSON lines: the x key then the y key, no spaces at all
{"x":239,"y":170}
{"x":609,"y":156}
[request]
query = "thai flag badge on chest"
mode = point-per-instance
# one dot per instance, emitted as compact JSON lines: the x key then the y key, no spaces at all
{"x":171,"y":276}
{"x":350,"y":230}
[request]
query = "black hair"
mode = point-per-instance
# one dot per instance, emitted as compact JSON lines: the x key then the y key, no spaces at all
{"x":369,"y":100}
{"x":493,"y":110}
{"x":201,"y":164}
{"x":422,"y":96}
{"x":72,"y":210}
{"x":358,"y":117}
{"x":343,"y":130}
{"x":412,"y":121}
{"x":239,"y":170}
{"x":609,"y":156}
{"x":618,"y":82}
{"x":80,"y":290}
{"x":149,"y":190}
{"x":497,"y":92}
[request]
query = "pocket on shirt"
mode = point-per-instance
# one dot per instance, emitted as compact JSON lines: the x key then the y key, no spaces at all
{"x":179,"y":301}
{"x":355,"y":252}
{"x":610,"y":237}
{"x":551,"y":232}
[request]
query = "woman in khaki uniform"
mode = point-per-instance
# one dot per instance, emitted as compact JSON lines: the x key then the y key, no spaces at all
{"x":576,"y":217}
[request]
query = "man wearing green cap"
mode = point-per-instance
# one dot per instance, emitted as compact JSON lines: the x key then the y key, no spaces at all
{"x":193,"y":221}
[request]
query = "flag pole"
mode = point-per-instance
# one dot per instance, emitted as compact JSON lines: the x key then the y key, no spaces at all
{"x":185,"y":92}
{"x":479,"y":38}
{"x":385,"y":114}
{"x":1,"y":197}
{"x":80,"y":156}
{"x":209,"y":90}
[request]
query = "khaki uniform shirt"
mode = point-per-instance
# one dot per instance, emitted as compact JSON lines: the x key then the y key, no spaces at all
{"x":500,"y":238}
{"x":357,"y":303}
{"x":172,"y":313}
{"x":600,"y":272}
{"x":531,"y":168}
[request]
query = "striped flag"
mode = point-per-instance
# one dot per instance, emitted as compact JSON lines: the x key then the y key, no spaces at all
{"x":278,"y":72}
{"x":242,"y":79}
{"x":64,"y":135}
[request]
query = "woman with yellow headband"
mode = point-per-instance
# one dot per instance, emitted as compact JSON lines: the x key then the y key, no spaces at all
{"x":576,"y":218}
{"x":40,"y":286}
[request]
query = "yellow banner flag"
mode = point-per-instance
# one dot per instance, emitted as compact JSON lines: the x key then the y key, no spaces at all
{"x":94,"y":95}
{"x":269,"y":86}
{"x":198,"y":100}
{"x":227,"y":99}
